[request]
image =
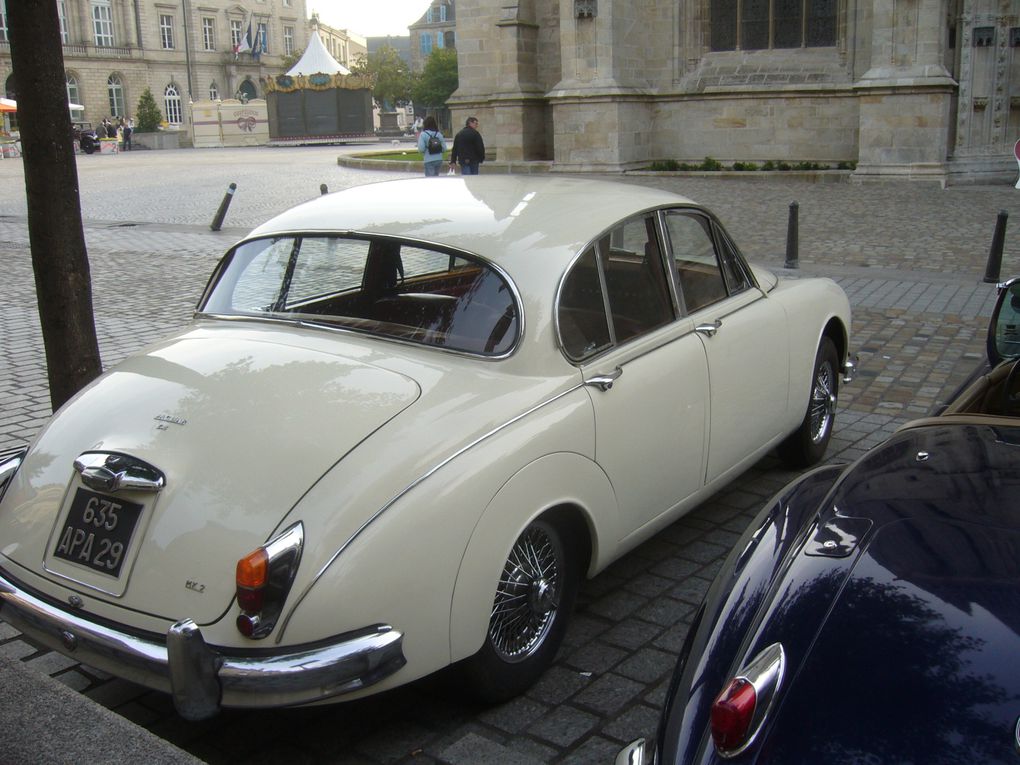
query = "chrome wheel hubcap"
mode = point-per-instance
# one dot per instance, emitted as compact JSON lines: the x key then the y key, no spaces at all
{"x":823,"y":403}
{"x":527,"y":596}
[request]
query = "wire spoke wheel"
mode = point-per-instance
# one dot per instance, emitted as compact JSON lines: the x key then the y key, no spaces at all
{"x":823,"y":402}
{"x":528,"y":595}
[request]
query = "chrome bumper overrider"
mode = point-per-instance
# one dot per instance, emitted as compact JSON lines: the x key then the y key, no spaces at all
{"x":203,"y":678}
{"x":850,"y":368}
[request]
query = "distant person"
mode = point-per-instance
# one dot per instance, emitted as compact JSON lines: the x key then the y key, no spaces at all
{"x":125,"y":126}
{"x":432,"y":145}
{"x":468,"y":148}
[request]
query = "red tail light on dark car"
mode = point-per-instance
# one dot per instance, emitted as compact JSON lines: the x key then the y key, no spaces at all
{"x":739,"y":712}
{"x":264,"y":578}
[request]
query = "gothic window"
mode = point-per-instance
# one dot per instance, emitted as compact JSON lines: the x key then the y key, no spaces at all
{"x":115,"y":90}
{"x":772,"y":24}
{"x":172,"y":104}
{"x":214,"y":92}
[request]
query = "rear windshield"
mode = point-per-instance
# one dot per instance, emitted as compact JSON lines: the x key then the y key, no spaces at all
{"x":378,"y":286}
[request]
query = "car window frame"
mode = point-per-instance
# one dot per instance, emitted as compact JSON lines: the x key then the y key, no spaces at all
{"x":452,"y":253}
{"x":721,"y":243}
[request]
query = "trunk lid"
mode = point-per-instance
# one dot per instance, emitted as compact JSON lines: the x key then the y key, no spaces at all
{"x":241,"y":422}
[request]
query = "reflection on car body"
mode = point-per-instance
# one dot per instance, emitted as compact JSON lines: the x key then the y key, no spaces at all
{"x":871,"y":612}
{"x":468,"y":393}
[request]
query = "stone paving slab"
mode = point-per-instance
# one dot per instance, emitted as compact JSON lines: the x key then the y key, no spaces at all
{"x":910,"y":257}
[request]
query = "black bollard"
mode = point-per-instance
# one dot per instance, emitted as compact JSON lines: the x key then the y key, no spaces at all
{"x":792,"y":243}
{"x":222,"y":212}
{"x":995,"y":254}
{"x":322,"y":189}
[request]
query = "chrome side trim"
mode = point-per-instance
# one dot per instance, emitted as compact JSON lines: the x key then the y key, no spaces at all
{"x":204,"y":678}
{"x":637,"y":752}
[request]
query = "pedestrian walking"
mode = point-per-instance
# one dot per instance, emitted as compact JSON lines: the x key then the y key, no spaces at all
{"x":468,"y":148}
{"x":432,"y":145}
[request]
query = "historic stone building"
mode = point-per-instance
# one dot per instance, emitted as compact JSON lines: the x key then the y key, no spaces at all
{"x":923,"y":89}
{"x":182,"y":50}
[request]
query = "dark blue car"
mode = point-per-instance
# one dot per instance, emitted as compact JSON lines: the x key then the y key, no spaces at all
{"x":871,"y":613}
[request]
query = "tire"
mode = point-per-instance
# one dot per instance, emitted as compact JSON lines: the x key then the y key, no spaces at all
{"x":530,"y":611}
{"x":807,"y":444}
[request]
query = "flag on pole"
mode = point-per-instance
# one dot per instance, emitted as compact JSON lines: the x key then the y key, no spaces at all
{"x":259,"y":45}
{"x":245,"y":43}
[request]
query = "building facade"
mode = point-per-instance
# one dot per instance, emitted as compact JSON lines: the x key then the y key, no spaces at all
{"x":183,"y":51}
{"x":345,"y":46}
{"x":435,"y":29}
{"x":925,"y":89}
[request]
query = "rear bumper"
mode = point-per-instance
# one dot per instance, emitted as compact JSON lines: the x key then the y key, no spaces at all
{"x":203,"y":678}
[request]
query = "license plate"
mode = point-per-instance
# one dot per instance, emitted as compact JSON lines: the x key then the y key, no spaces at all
{"x":97,"y":531}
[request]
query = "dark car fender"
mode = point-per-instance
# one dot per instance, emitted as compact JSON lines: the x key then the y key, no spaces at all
{"x":733,"y":606}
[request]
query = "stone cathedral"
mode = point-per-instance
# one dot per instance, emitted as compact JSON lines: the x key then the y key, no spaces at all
{"x":913,"y":89}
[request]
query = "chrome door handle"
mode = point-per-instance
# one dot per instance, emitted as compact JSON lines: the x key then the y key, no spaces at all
{"x":709,"y":329}
{"x":605,"y":381}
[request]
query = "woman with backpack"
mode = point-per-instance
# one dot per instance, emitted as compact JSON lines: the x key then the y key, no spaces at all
{"x":431,"y":144}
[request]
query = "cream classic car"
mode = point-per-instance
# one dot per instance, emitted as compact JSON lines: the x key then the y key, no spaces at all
{"x":406,"y":419}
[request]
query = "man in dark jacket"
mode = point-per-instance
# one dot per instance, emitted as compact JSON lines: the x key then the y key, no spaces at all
{"x":468,"y":149}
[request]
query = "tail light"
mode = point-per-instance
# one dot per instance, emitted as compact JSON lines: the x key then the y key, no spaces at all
{"x":739,"y":712}
{"x":264,"y":578}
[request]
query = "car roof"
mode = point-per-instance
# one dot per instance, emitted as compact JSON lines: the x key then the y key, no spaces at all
{"x":502,"y":218}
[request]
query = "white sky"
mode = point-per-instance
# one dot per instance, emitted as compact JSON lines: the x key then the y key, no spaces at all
{"x":370,"y":18}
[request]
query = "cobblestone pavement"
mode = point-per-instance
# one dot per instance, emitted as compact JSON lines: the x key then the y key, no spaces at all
{"x":910,"y":256}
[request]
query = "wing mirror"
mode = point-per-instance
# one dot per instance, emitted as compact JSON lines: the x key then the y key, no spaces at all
{"x":1004,"y":327}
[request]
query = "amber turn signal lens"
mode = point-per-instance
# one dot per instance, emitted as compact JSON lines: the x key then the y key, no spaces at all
{"x":253,"y":570}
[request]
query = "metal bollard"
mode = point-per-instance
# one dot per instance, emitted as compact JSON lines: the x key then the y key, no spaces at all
{"x":222,"y":212}
{"x":792,"y":237}
{"x":995,"y":253}
{"x":322,"y":189}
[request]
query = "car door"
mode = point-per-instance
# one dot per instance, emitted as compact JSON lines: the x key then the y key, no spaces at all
{"x":744,"y":334}
{"x":646,"y":371}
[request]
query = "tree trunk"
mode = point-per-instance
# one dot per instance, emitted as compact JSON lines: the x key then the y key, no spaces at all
{"x":62,"y":278}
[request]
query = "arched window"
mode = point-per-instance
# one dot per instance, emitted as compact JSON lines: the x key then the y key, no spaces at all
{"x":764,"y":25}
{"x":74,"y":98}
{"x":172,"y":104}
{"x":214,"y":92}
{"x":115,"y":89}
{"x":247,"y":91}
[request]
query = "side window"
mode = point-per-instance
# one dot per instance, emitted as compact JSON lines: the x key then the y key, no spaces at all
{"x":635,"y":280}
{"x":697,"y":267}
{"x":628,"y":261}
{"x":584,"y":330}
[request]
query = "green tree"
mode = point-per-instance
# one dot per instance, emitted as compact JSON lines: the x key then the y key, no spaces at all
{"x":391,"y":74}
{"x":438,"y":79}
{"x":147,"y":115}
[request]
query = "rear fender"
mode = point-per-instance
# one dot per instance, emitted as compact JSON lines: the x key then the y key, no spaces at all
{"x":556,"y":480}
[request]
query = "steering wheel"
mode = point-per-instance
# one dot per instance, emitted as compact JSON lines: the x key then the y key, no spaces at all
{"x":1010,"y":399}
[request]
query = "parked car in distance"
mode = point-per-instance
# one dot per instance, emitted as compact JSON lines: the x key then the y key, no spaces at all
{"x":872,"y":611}
{"x":406,"y":419}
